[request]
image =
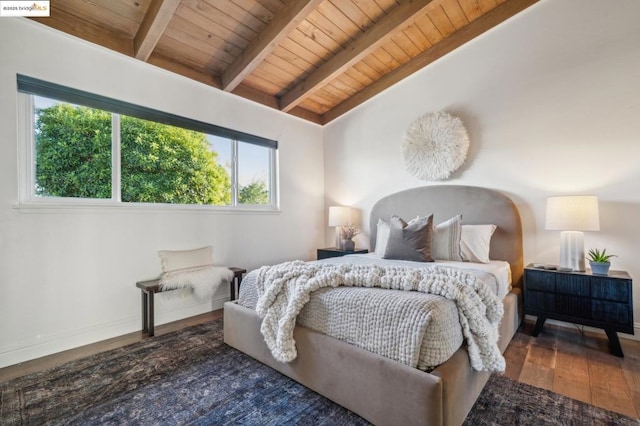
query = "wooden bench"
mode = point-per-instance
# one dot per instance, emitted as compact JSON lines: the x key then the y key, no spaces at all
{"x":151,"y":287}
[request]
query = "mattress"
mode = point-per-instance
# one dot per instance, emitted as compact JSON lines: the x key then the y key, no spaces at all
{"x":364,"y":316}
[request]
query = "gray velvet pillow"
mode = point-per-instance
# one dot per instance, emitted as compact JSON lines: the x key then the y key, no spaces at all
{"x":410,"y":241}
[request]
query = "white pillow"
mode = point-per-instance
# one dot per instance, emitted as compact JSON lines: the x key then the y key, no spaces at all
{"x":382,"y":237}
{"x":445,"y":243}
{"x":178,"y":260}
{"x":475,"y":242}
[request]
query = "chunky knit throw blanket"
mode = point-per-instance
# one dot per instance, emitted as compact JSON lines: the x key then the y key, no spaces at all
{"x":284,"y":289}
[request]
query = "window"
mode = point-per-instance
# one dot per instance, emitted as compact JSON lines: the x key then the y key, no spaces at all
{"x":86,"y":148}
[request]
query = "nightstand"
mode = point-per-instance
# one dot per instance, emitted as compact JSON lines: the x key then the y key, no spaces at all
{"x":325,"y":253}
{"x":601,"y":301}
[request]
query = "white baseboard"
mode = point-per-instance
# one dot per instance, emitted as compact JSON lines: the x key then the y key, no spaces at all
{"x":44,"y":345}
{"x":636,"y":327}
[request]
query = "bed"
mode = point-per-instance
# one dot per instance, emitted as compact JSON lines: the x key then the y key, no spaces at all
{"x":379,"y":389}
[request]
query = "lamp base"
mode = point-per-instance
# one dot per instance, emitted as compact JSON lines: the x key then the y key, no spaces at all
{"x":339,"y":237}
{"x":572,"y":250}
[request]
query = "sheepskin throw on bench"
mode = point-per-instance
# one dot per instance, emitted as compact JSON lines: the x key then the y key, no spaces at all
{"x":192,"y":269}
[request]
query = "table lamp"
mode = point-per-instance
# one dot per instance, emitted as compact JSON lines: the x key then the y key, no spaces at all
{"x":572,"y":214}
{"x":339,"y":216}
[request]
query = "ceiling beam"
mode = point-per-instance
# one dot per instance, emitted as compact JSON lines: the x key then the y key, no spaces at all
{"x":269,"y":38}
{"x":400,"y":17}
{"x":473,"y":29}
{"x":306,"y":115}
{"x":252,"y":94}
{"x":153,"y":25}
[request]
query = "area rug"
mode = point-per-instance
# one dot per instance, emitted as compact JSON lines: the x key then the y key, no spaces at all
{"x":191,"y":377}
{"x":506,"y":402}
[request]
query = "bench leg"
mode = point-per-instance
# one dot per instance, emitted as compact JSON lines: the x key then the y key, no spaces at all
{"x":145,"y":325}
{"x":235,"y":283}
{"x":150,"y":318}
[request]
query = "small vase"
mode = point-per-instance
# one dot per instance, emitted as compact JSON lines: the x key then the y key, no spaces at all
{"x":600,"y":268}
{"x":348,"y":245}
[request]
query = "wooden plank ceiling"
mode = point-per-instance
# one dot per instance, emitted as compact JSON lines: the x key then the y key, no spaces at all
{"x":315,"y":59}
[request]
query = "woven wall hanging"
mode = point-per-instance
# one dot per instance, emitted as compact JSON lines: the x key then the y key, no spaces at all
{"x":434,"y":146}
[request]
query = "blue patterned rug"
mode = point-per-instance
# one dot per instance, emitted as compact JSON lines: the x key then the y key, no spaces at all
{"x":191,"y":377}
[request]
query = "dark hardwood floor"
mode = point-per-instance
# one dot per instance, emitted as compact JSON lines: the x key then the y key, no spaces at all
{"x":49,"y":361}
{"x":562,"y":359}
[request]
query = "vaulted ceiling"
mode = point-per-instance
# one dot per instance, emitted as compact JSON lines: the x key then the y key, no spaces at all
{"x":315,"y":59}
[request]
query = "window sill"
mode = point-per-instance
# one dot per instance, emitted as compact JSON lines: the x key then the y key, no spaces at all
{"x":107,"y":206}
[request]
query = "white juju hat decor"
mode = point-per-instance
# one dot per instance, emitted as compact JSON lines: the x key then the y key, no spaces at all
{"x":435,"y":145}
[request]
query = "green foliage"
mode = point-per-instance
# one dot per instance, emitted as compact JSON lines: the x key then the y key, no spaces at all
{"x":73,"y":152}
{"x":595,"y":255}
{"x":254,"y":193}
{"x":164,"y":164}
{"x":159,"y":163}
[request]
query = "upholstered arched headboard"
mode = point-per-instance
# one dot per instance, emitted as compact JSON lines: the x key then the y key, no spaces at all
{"x":476,"y":205}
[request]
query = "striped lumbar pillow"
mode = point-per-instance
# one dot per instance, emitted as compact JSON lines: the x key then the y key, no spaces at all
{"x":446,"y":239}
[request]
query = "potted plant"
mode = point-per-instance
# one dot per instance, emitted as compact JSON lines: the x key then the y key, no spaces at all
{"x":599,"y":261}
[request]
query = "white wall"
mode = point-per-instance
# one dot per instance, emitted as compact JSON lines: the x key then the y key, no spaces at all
{"x":551,"y":100}
{"x":67,"y":277}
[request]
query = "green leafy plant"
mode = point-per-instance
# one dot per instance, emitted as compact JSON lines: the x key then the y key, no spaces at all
{"x":159,"y":163}
{"x":254,"y":193}
{"x":601,"y":256}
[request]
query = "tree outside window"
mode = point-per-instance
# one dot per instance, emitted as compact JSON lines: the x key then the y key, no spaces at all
{"x":159,"y":163}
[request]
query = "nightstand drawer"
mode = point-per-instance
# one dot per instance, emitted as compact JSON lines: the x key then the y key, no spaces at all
{"x":539,"y":280}
{"x":573,"y":284}
{"x":608,"y":289}
{"x":575,"y":306}
{"x":540,"y":301}
{"x":611,"y":312}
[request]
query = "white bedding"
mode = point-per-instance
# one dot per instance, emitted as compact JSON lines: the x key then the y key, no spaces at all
{"x":500,"y":269}
{"x":348,"y":313}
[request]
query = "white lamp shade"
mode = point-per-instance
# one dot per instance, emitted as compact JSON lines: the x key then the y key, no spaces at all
{"x":573,"y":213}
{"x":339,"y":216}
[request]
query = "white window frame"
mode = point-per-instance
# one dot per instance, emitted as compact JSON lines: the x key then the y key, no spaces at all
{"x":27,"y":173}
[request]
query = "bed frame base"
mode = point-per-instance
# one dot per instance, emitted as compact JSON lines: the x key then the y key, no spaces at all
{"x":380,"y":390}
